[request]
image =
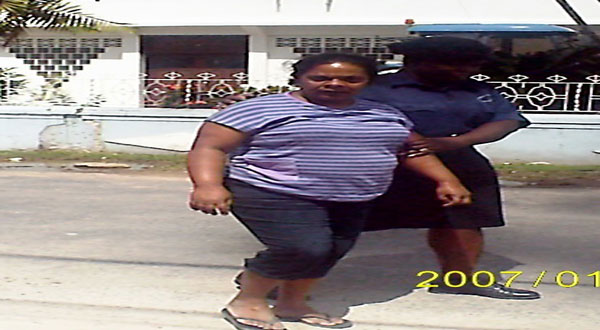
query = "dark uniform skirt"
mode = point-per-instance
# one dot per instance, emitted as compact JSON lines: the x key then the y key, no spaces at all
{"x":411,"y":202}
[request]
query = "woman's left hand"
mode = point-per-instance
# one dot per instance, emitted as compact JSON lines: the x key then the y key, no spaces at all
{"x":452,"y":193}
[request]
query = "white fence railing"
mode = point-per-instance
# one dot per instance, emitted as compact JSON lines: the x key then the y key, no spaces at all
{"x":555,"y":95}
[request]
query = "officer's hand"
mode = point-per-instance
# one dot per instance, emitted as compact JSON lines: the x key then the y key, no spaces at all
{"x":453,"y":193}
{"x":233,"y":99}
{"x":446,"y":143}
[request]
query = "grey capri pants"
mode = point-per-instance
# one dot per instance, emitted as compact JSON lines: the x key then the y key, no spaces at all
{"x":303,"y":238}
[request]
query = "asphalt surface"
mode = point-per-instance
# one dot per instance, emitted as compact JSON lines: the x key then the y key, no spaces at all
{"x":109,"y":251}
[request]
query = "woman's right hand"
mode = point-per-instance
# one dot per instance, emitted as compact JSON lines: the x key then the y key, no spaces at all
{"x":211,"y":199}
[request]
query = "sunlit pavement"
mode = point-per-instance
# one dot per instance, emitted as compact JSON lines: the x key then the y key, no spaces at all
{"x":106,"y":251}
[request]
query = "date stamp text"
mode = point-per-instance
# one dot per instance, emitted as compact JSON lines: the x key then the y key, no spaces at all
{"x":483,"y":278}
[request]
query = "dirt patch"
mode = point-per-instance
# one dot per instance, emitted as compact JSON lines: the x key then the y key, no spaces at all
{"x":551,"y":175}
{"x":524,"y":175}
{"x":561,"y":182}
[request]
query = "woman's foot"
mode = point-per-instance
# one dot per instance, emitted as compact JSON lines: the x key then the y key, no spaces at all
{"x":305,"y":314}
{"x":238,"y":282}
{"x":254,"y":313}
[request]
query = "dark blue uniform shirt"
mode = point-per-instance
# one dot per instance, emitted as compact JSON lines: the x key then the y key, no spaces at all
{"x":439,"y":112}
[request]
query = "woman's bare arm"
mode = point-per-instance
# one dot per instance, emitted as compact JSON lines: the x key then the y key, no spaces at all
{"x":206,"y":163}
{"x":449,"y":189}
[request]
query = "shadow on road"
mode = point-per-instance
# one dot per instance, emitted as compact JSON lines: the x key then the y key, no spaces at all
{"x":384,"y":267}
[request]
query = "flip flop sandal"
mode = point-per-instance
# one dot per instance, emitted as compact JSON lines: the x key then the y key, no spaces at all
{"x":235,"y":321}
{"x":324,"y":317}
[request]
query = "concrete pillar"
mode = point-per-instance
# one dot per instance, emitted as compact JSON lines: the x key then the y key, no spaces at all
{"x":258,"y":55}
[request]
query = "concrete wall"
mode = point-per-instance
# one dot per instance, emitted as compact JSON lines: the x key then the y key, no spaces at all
{"x":114,"y":75}
{"x":130,"y":130}
{"x":561,"y":139}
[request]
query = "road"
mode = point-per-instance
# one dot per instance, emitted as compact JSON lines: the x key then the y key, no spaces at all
{"x":95,"y":251}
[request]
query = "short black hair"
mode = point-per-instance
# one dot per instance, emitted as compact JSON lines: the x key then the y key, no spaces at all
{"x":307,"y":63}
{"x":441,"y":49}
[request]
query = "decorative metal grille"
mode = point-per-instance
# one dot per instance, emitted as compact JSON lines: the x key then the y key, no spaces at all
{"x":71,"y":42}
{"x":374,"y":47}
{"x":360,"y":42}
{"x":310,"y":42}
{"x":60,"y":58}
{"x":335,"y":42}
{"x":556,"y":95}
{"x":24,"y":42}
{"x":553,"y":95}
{"x":90,"y":42}
{"x":112,"y":42}
{"x":287,"y":42}
{"x":46,"y":42}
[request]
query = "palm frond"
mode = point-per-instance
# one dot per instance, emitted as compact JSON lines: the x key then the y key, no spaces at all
{"x":13,"y":6}
{"x":18,"y":15}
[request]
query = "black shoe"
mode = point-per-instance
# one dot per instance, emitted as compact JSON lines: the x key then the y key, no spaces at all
{"x":237,"y":280}
{"x":496,"y":290}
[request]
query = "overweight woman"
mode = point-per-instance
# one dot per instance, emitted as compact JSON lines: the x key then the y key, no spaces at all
{"x":299,"y":170}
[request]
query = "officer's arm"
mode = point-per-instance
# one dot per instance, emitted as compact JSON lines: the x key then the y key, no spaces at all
{"x":449,"y":189}
{"x":489,"y":132}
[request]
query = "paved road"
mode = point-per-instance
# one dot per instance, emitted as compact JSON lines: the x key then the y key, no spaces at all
{"x":110,"y":252}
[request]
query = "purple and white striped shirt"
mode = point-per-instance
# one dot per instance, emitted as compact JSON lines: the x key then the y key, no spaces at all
{"x":313,"y":151}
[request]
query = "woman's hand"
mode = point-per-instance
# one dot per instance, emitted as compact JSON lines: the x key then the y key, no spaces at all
{"x":212,"y":199}
{"x":206,"y":162}
{"x":453,"y":193}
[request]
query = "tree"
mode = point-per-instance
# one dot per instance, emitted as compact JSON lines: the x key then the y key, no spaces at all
{"x":18,"y":15}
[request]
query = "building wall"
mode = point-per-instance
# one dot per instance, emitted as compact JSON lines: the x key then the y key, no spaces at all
{"x":94,"y":66}
{"x":277,"y":45}
{"x":114,"y":75}
{"x":269,"y":64}
{"x":559,"y":139}
{"x":112,"y":129}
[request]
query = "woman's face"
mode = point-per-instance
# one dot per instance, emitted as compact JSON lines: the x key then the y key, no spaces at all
{"x":333,"y":85}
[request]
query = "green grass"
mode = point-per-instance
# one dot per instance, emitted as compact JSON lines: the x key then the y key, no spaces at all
{"x":547,"y":168}
{"x":163,"y":162}
{"x":541,"y":175}
{"x":551,"y":174}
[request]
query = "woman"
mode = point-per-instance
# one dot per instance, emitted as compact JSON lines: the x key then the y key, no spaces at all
{"x":302,"y":169}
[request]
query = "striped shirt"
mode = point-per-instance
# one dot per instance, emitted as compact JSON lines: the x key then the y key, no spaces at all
{"x":314,"y":151}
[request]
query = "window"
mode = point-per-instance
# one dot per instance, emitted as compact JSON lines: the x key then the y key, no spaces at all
{"x":222,"y":55}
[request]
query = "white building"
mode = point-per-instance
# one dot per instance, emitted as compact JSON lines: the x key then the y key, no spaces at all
{"x":197,"y":49}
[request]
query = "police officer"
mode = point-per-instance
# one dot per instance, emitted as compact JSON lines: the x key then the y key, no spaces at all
{"x":453,"y":113}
